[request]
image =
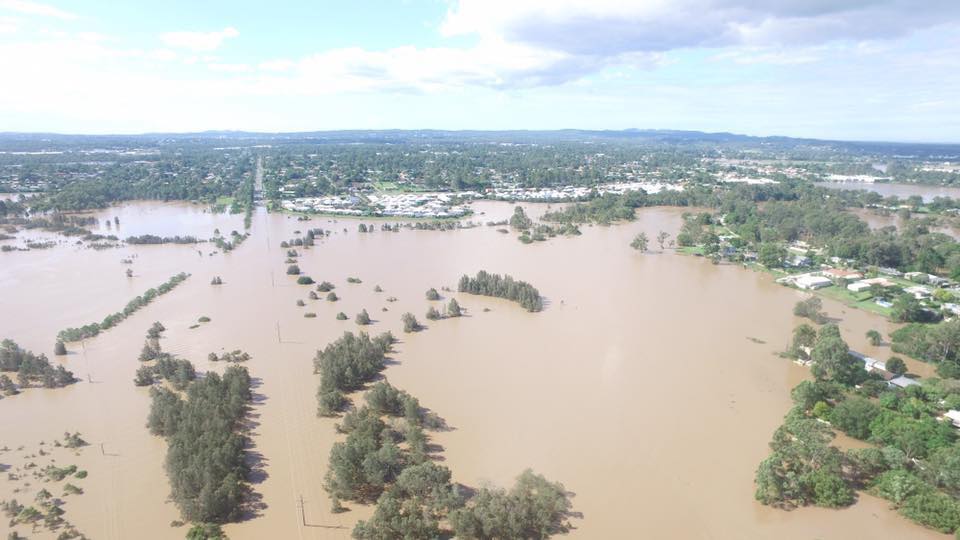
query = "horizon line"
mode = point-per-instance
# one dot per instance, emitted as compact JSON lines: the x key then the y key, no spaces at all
{"x":469,"y":130}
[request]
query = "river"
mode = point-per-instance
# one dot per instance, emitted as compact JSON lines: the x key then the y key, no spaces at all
{"x":649,"y":386}
{"x":928,"y":192}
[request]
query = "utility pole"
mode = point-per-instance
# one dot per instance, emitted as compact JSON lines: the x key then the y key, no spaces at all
{"x":303,"y":515}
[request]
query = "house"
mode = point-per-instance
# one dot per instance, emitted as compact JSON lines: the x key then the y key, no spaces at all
{"x":839,"y":273}
{"x":809,"y":281}
{"x":919,"y":291}
{"x":953,"y":416}
{"x":890,"y":271}
{"x":902,"y":382}
{"x":883,"y":282}
{"x":870,"y":364}
{"x":799,"y":261}
{"x":858,"y":286}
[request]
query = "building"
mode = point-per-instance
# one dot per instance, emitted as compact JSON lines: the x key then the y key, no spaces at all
{"x":870,"y":364}
{"x":902,"y":382}
{"x":919,"y":291}
{"x":858,"y":286}
{"x":839,"y":273}
{"x":809,"y":281}
{"x":953,"y":416}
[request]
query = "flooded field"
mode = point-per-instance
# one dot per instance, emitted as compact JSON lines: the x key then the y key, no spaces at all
{"x":649,"y":386}
{"x":928,"y":192}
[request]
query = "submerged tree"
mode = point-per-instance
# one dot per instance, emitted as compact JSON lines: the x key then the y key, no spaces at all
{"x":410,"y":323}
{"x":640,"y":242}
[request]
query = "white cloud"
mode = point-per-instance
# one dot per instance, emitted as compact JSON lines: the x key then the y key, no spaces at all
{"x":282,"y":64}
{"x":9,"y":25}
{"x":230,"y":68}
{"x":617,"y":26}
{"x":199,"y":41}
{"x":774,"y":56}
{"x":34,"y":8}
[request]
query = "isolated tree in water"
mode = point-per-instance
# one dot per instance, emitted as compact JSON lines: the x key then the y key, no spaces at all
{"x":453,"y":308}
{"x":640,"y":242}
{"x":661,"y":238}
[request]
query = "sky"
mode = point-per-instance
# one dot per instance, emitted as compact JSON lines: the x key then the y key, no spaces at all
{"x":834,"y":69}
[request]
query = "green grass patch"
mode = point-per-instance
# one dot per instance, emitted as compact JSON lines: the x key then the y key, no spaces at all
{"x":691,"y":250}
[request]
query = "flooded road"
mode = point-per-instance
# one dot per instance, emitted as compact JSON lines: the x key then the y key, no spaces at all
{"x":649,"y":386}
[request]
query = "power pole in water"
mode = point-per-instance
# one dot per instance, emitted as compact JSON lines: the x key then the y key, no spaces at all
{"x":303,"y":515}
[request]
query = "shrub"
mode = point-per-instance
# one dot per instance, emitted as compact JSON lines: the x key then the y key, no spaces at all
{"x":410,"y":323}
{"x":453,"y":308}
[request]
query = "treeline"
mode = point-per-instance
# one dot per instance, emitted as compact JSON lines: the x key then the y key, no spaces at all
{"x":177,"y":371}
{"x":92,"y":329}
{"x":229,"y":245}
{"x":186,"y":174}
{"x":414,"y":496}
{"x":914,"y":463}
{"x":154,"y":239}
{"x":205,"y":457}
{"x":31,"y":369}
{"x":487,"y":284}
{"x":938,"y":344}
{"x":345,"y":365}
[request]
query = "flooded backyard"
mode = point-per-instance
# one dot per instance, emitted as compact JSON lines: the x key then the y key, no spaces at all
{"x":649,"y":386}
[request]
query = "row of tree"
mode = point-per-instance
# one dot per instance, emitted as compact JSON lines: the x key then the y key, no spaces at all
{"x":345,"y":365}
{"x":488,"y":284}
{"x":92,"y":329}
{"x":205,"y":459}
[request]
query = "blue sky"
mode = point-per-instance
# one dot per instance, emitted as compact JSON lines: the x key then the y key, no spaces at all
{"x":845,"y":69}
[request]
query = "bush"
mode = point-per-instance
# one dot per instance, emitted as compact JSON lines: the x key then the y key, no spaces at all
{"x":433,"y":314}
{"x":293,"y":270}
{"x":533,"y":508}
{"x":853,"y":416}
{"x":341,"y":316}
{"x":363,"y":318}
{"x":332,"y":297}
{"x":325,"y":286}
{"x":304,"y":280}
{"x":810,"y":308}
{"x":432,"y":294}
{"x":410,"y":323}
{"x":896,"y":366}
{"x":453,"y":308}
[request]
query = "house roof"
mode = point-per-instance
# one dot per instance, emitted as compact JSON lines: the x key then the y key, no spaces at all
{"x":903,"y":381}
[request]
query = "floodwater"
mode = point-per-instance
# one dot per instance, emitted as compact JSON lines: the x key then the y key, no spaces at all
{"x":649,"y":386}
{"x":928,"y":192}
{"x":876,"y":220}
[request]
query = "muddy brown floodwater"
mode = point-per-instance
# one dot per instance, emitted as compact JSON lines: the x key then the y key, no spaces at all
{"x":649,"y":386}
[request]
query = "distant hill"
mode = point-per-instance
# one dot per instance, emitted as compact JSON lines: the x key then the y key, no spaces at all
{"x":12,"y":141}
